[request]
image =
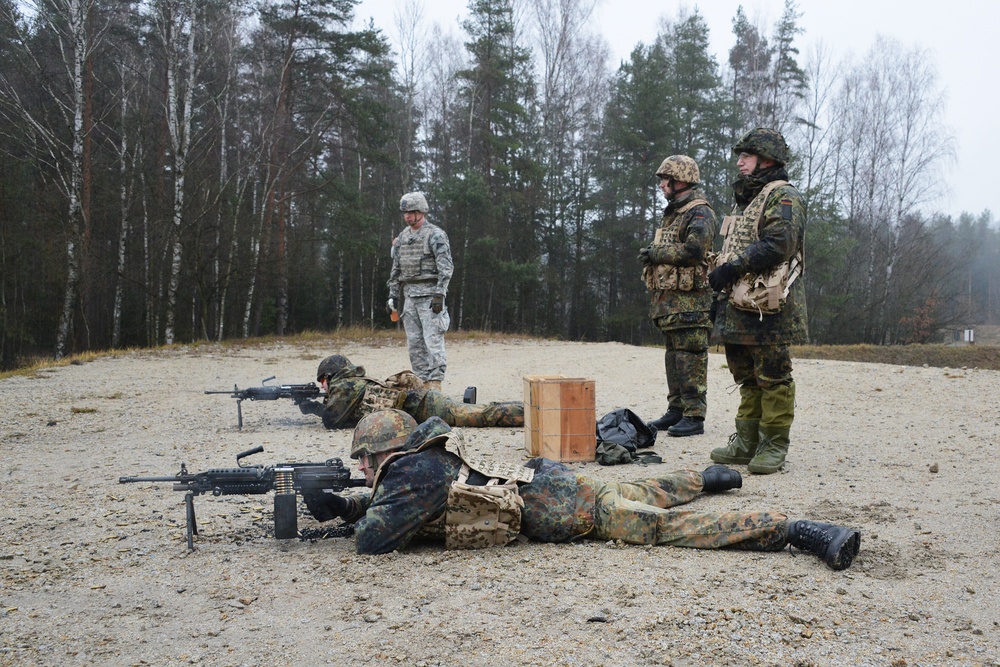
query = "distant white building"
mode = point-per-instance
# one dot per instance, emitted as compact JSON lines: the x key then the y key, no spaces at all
{"x":964,"y":337}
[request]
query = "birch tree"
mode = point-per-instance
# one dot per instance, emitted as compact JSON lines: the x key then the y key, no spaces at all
{"x":892,"y":146}
{"x":56,"y":131}
{"x":574,"y":78}
{"x":176,"y":23}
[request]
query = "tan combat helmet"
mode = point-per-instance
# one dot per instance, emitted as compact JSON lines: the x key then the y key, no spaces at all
{"x":413,"y":201}
{"x":382,"y":431}
{"x":680,"y":168}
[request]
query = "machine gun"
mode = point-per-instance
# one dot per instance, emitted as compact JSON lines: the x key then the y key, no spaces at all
{"x":287,"y":479}
{"x":265,"y":392}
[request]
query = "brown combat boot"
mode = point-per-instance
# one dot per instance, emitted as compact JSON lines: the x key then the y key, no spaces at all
{"x":432,"y":384}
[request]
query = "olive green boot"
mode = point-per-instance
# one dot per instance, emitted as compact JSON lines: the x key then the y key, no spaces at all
{"x":750,"y":408}
{"x":742,"y":444}
{"x":778,"y":412}
{"x":771,"y":452}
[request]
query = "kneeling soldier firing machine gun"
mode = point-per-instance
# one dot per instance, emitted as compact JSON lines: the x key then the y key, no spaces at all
{"x":286,"y":479}
{"x":299,"y":393}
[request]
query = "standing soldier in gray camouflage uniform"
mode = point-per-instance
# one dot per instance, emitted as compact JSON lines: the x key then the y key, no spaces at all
{"x":412,"y":471}
{"x":756,"y":275}
{"x":675,"y":270}
{"x":421,"y":263}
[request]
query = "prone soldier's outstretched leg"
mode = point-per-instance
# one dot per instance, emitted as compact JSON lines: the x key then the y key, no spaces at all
{"x":426,"y":403}
{"x":626,"y":511}
{"x":640,"y":513}
{"x":510,"y":413}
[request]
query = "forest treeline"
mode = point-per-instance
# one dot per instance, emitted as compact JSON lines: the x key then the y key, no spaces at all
{"x":180,"y":170}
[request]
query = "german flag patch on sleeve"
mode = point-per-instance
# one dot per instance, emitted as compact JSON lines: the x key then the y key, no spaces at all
{"x":786,"y":209}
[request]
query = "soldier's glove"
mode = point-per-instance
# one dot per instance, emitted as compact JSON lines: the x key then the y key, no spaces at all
{"x":390,"y":306}
{"x":723,"y":276}
{"x":644,"y":257}
{"x":657,"y":254}
{"x":310,"y":407}
{"x":325,"y":505}
{"x":437,"y":303}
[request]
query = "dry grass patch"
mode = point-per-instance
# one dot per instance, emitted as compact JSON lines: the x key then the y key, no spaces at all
{"x":939,"y":356}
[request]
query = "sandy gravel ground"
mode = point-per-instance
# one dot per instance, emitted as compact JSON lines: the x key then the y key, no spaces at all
{"x":98,"y":573}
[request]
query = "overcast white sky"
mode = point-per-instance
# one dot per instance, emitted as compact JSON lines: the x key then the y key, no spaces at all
{"x":961,"y":35}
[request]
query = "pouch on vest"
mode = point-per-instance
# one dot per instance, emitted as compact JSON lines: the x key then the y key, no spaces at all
{"x":377,"y":397}
{"x":765,"y":294}
{"x":478,"y":517}
{"x":404,"y":380}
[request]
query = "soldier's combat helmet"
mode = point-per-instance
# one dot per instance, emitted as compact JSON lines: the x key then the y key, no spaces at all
{"x":413,"y":201}
{"x":680,"y":168}
{"x":331,"y":366}
{"x":765,"y":143}
{"x":382,"y":431}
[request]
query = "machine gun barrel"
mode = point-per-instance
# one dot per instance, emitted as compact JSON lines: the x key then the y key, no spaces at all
{"x":266,"y":392}
{"x":287,"y":480}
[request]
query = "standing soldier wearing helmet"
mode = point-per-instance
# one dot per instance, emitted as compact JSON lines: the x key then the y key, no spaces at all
{"x":675,"y":270}
{"x":426,"y":483}
{"x":421,"y":264}
{"x":760,"y":260}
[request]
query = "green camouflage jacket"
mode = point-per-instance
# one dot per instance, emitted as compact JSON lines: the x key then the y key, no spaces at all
{"x":781,"y":234}
{"x":412,"y":494}
{"x":685,"y":240}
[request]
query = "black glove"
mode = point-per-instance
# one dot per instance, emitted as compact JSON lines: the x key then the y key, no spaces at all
{"x":723,"y":276}
{"x":713,"y":310}
{"x":325,"y":505}
{"x":644,"y":257}
{"x":437,"y":303}
{"x":310,"y":407}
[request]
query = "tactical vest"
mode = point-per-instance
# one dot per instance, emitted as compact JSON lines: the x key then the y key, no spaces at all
{"x":379,"y":397}
{"x":416,"y":261}
{"x":476,"y":516}
{"x":388,"y":395}
{"x":670,"y":278}
{"x":763,"y":293}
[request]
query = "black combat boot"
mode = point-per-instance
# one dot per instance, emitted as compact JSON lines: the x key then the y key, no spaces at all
{"x":669,"y":418}
{"x":720,"y":478}
{"x":836,"y":545}
{"x":687,"y":426}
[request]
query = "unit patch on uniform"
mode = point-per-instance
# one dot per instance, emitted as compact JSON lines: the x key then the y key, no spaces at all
{"x":786,"y":209}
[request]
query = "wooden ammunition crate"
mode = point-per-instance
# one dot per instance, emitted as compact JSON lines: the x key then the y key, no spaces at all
{"x":560,"y":422}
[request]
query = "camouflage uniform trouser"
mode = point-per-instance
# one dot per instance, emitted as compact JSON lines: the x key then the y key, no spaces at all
{"x":764,"y":373}
{"x":641,"y":513}
{"x":425,"y":337}
{"x":686,"y":363}
{"x":764,"y":366}
{"x":425,"y":403}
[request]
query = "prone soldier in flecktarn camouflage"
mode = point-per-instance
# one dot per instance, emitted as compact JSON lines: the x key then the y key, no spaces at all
{"x":756,"y":275}
{"x":425,"y":483}
{"x":349,"y":395}
{"x":675,"y":270}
